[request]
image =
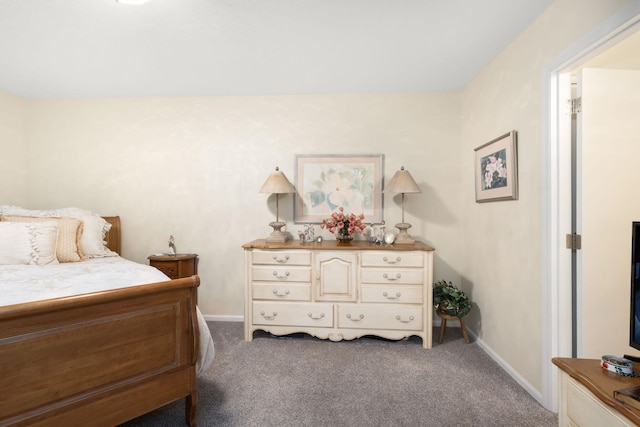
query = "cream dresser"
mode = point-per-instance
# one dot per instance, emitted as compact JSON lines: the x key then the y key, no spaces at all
{"x":339,"y":292}
{"x":586,"y":395}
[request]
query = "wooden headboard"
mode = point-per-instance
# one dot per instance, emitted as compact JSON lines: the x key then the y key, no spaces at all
{"x":113,"y":236}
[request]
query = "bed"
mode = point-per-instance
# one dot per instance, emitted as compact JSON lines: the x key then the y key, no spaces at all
{"x":102,"y":357}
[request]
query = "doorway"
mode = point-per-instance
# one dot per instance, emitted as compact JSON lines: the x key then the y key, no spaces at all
{"x":560,"y":327}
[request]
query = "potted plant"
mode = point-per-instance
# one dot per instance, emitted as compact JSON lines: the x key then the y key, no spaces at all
{"x":450,"y":300}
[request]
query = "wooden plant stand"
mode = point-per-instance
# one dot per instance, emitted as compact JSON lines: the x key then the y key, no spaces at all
{"x":443,"y":325}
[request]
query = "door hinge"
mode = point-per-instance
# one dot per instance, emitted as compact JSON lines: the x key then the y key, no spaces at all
{"x":574,"y":242}
{"x":574,"y":105}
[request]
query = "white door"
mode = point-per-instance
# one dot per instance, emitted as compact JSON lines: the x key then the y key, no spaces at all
{"x":607,"y":201}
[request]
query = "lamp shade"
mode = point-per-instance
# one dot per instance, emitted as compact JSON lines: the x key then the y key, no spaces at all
{"x":402,"y":182}
{"x":277,"y":183}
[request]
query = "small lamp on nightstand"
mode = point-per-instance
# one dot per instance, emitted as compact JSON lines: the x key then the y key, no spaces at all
{"x":402,"y":182}
{"x":277,"y":183}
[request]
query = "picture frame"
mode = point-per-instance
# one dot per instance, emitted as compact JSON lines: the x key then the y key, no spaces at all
{"x":496,"y":169}
{"x":326,"y":182}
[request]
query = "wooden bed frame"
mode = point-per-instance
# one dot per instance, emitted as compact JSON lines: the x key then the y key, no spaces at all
{"x":100,"y":359}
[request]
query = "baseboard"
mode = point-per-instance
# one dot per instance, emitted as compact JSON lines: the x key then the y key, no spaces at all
{"x":240,"y":318}
{"x":223,"y":318}
{"x":536,"y":394}
{"x":499,"y":360}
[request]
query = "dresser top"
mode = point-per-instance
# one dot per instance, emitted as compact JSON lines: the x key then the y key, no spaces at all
{"x":331,"y":244}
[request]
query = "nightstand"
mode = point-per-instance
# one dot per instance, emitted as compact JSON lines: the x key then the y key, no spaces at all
{"x":175,"y":266}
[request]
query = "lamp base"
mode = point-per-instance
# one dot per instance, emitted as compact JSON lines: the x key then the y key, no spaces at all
{"x":403,"y":237}
{"x":277,"y":236}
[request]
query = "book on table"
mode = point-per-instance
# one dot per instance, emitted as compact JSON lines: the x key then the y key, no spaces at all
{"x":629,"y":395}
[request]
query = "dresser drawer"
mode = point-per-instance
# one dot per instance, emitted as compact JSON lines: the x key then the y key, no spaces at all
{"x":286,"y":314}
{"x":396,"y":259}
{"x":284,"y":292}
{"x":281,"y":258}
{"x":391,"y":275}
{"x":392,"y":294}
{"x":170,"y":269}
{"x":379,"y":316}
{"x":584,"y":409}
{"x":282,"y":274}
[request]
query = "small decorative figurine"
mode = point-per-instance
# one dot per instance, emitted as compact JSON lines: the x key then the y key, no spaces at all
{"x":172,"y":246}
{"x":380,"y":234}
{"x":308,"y":235}
{"x":389,"y":238}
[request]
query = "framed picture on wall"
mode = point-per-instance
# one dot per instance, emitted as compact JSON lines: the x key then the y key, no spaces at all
{"x":496,"y":169}
{"x":327,"y":182}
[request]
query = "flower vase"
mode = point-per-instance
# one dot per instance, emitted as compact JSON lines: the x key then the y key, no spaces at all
{"x":344,"y":239}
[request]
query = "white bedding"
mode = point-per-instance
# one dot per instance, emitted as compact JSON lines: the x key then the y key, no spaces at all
{"x":28,"y":283}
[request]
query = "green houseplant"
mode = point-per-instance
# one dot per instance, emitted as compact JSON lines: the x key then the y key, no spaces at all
{"x":450,"y":300}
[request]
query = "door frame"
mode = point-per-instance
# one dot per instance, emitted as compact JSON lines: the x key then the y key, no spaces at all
{"x":556,"y":189}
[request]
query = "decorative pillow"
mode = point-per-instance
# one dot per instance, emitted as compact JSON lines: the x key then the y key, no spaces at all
{"x":15,"y":244}
{"x":69,"y":234}
{"x":92,"y":242}
{"x":27,"y":243}
{"x":45,"y":239}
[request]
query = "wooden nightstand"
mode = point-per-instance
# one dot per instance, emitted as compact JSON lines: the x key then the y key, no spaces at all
{"x":175,"y":266}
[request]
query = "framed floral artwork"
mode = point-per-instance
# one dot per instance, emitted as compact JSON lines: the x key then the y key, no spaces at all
{"x":496,"y":170}
{"x":325,"y":183}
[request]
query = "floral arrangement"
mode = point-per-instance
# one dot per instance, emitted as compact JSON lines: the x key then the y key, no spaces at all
{"x":344,"y":224}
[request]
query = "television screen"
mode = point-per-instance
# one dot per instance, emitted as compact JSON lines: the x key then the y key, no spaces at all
{"x":634,"y":335}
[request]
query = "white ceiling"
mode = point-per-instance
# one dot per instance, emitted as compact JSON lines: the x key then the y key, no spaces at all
{"x":95,"y":48}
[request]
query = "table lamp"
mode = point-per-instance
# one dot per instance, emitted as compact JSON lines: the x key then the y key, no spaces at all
{"x":277,"y":183}
{"x":402,"y":182}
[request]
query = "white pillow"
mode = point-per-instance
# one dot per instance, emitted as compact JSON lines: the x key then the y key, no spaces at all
{"x":93,"y":234}
{"x":15,"y":244}
{"x":45,"y":239}
{"x":92,"y":242}
{"x":28,"y":243}
{"x":68,"y":247}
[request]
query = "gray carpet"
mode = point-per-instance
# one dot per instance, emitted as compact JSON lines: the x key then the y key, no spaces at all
{"x":302,"y":381}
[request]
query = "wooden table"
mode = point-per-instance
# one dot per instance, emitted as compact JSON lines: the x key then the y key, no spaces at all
{"x":175,"y":266}
{"x":601,"y":383}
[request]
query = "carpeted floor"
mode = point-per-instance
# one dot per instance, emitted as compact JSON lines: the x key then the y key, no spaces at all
{"x":302,"y":381}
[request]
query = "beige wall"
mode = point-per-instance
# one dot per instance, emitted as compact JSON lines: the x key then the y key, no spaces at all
{"x":192,"y":167}
{"x":13,"y":160}
{"x":501,"y":256}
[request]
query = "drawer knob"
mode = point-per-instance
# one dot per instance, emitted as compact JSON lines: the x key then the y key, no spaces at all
{"x":267,"y":317}
{"x":281,"y":260}
{"x":386,"y":295}
{"x":390,"y":261}
{"x":315,"y":317}
{"x":411,"y":318}
{"x":386,"y":276}
{"x":281,"y":294}
{"x":353,"y":319}
{"x":279,"y":277}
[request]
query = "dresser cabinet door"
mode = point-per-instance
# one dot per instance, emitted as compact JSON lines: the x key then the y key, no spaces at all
{"x":336,"y":275}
